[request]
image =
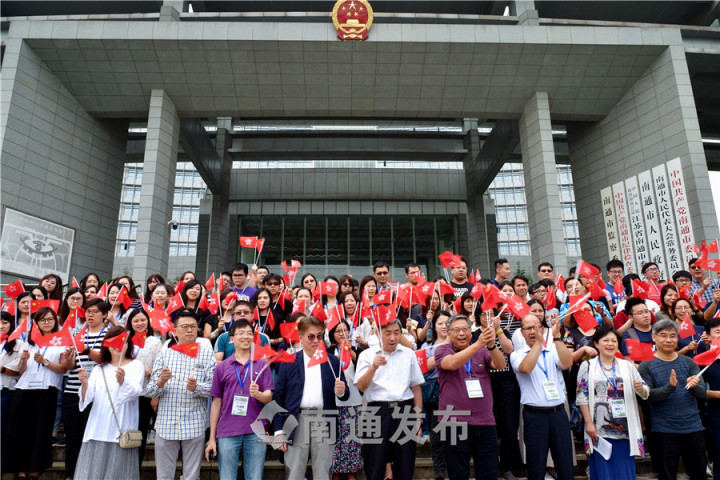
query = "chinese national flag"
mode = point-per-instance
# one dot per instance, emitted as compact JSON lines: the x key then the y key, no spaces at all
{"x":585,"y":319}
{"x":706,"y":358}
{"x":270,"y":320}
{"x":450,"y":260}
{"x":102,"y":293}
{"x":595,"y":291}
{"x":638,"y":350}
{"x":713,"y":247}
{"x":14,"y":289}
{"x":124,"y":298}
{"x":160,"y":322}
{"x":260,"y":352}
{"x":587,"y":270}
{"x":248,"y":242}
{"x":477,"y":291}
{"x":35,"y":305}
{"x":491,"y":295}
{"x":560,"y":283}
{"x":446,"y":289}
{"x":289,"y":331}
{"x":189,"y":349}
{"x":601,"y":283}
{"x":383,"y":298}
{"x":282,"y":357}
{"x":139,"y":339}
{"x":298,"y":306}
{"x":205,"y":305}
{"x":421,"y":356}
{"x":75,"y":283}
{"x":175,"y":303}
{"x":699,"y":301}
{"x":115,"y":342}
{"x":471,"y":277}
{"x":684,"y":292}
{"x":457,"y":304}
{"x":260,"y":244}
{"x":179,"y":287}
{"x":345,"y":356}
{"x":319,"y":312}
{"x":576,"y":303}
{"x":618,"y":288}
{"x":328,"y":288}
{"x":210,"y":284}
{"x":517,"y":306}
{"x":61,"y":338}
{"x":320,"y":356}
{"x":550,"y":299}
{"x":386,"y":314}
{"x":75,"y":313}
{"x":686,"y":328}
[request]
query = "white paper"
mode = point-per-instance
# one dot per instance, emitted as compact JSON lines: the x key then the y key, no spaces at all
{"x":604,"y":448}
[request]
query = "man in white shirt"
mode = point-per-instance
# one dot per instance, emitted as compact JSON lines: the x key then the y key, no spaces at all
{"x":538,"y":369}
{"x":390,"y":378}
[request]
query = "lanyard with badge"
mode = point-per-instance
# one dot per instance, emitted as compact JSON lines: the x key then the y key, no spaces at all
{"x":472,"y":385}
{"x":240,"y":402}
{"x":551,"y":390}
{"x":617,"y":405}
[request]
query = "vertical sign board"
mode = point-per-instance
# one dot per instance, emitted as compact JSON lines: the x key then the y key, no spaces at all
{"x":648,"y":200}
{"x":610,"y":222}
{"x":682,"y":210}
{"x":637,"y":225}
{"x":673,"y":254}
{"x":623,"y":220}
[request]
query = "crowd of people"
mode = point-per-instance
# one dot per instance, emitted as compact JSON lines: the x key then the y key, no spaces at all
{"x":352,"y":375}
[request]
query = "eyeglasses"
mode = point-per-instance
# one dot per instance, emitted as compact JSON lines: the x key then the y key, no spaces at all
{"x":653,"y":269}
{"x":545,"y":270}
{"x":238,"y":275}
{"x":243,"y":313}
{"x":347,"y":284}
{"x":272,"y":284}
{"x":46,"y":320}
{"x":695,"y":268}
{"x":317,"y":337}
{"x":244,"y":334}
{"x":644,"y":312}
{"x":187,"y":328}
{"x":460,"y":329}
{"x":615,"y":271}
{"x":665,"y":336}
{"x":382,"y":273}
{"x":539,"y":290}
{"x":92,"y":312}
{"x":529,"y":329}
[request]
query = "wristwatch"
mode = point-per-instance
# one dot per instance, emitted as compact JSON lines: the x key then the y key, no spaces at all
{"x":492,"y":348}
{"x":46,"y":362}
{"x":557,"y":339}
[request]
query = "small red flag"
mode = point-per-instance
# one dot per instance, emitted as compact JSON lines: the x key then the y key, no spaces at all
{"x":160,"y":322}
{"x":102,"y":293}
{"x":14,"y":289}
{"x":320,"y":356}
{"x":386,"y":314}
{"x":189,"y":349}
{"x":706,"y":358}
{"x":35,"y":305}
{"x":175,"y":303}
{"x":477,"y":291}
{"x":336,"y":314}
{"x":699,"y":300}
{"x":79,"y":339}
{"x":61,"y":338}
{"x":115,"y":342}
{"x":550,"y":299}
{"x":686,"y":328}
{"x":457,"y":304}
{"x":9,"y":307}
{"x":328,"y":288}
{"x":54,"y":305}
{"x":684,"y":292}
{"x":124,"y":298}
{"x":248,"y":242}
{"x":638,"y":350}
{"x":261,"y":351}
{"x":421,"y":356}
{"x":640,"y":289}
{"x":449,"y":260}
{"x":139,"y":339}
{"x":75,"y":313}
{"x":560,"y":282}
{"x":75,"y":283}
{"x":179,"y":287}
{"x":426,"y":288}
{"x":282,"y":357}
{"x":210,"y":284}
{"x":298,"y":306}
{"x":289,"y":331}
{"x":260,"y":244}
{"x":618,"y":288}
{"x":595,"y":291}
{"x":270,"y":320}
{"x":587,"y":270}
{"x":713,"y":247}
{"x":491,"y":295}
{"x":319,"y":312}
{"x":517,"y":306}
{"x":345,"y":356}
{"x":446,"y":289}
{"x":585,"y":319}
{"x":383,"y":298}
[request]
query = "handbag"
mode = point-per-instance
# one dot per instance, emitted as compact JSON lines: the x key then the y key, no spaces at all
{"x":128,"y":438}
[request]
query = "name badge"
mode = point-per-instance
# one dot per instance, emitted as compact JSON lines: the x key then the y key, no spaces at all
{"x":551,"y":391}
{"x":35,"y":385}
{"x":474,"y":389}
{"x":617,"y":407}
{"x":240,"y":405}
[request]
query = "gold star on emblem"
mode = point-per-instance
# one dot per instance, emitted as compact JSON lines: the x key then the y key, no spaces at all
{"x":352,"y":5}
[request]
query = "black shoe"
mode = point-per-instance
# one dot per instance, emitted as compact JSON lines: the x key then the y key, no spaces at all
{"x":439,"y":477}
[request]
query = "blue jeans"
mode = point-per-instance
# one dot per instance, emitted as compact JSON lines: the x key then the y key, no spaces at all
{"x":253,"y":450}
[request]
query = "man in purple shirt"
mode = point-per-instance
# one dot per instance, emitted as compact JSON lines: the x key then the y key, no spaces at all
{"x":238,"y":396}
{"x":464,"y":375}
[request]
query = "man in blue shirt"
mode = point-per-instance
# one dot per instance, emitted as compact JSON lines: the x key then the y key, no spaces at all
{"x":674,"y":390}
{"x":239,"y":279}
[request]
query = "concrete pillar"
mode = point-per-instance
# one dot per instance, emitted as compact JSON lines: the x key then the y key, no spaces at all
{"x":547,"y":236}
{"x":170,"y":10}
{"x":158,"y":187}
{"x":654,"y":122}
{"x":477,"y":254}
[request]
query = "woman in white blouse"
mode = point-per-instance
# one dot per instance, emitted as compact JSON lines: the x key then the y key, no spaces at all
{"x":120,"y":377}
{"x":32,"y":408}
{"x":138,"y":325}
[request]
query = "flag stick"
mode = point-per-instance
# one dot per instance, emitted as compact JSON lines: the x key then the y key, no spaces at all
{"x":699,"y":374}
{"x":252,"y":355}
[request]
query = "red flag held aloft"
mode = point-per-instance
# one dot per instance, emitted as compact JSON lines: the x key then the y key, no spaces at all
{"x":175,"y":303}
{"x":189,"y":349}
{"x":386,"y":314}
{"x":618,"y":288}
{"x":421,"y":356}
{"x":446,"y":289}
{"x":491,"y":296}
{"x":160,"y":322}
{"x":320,"y":356}
{"x":319,"y":312}
{"x":595,"y":291}
{"x":450,"y":260}
{"x":517,"y":306}
{"x":14,"y":289}
{"x":260,"y":244}
{"x":586,"y":270}
{"x":585,"y":319}
{"x":210,"y":284}
{"x":699,"y":300}
{"x":75,"y":283}
{"x":115,"y":342}
{"x":139,"y":339}
{"x":289,"y":331}
{"x":550,"y":299}
{"x":560,"y":282}
{"x":124,"y":298}
{"x":345,"y":356}
{"x":9,"y":307}
{"x":61,"y":338}
{"x":54,"y":305}
{"x":248,"y":242}
{"x":102,"y":293}
{"x":686,"y":328}
{"x":640,"y":289}
{"x":328,"y":288}
{"x":383,"y":298}
{"x":298,"y":306}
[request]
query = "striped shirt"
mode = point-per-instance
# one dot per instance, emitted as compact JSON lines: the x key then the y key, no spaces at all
{"x":182,"y":414}
{"x":91,"y":340}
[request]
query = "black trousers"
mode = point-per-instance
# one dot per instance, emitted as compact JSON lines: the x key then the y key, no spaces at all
{"x":481,"y":445}
{"x":146,"y":415}
{"x":506,"y":408}
{"x":74,"y":421}
{"x":376,"y":455}
{"x":543,"y":431}
{"x":689,"y":446}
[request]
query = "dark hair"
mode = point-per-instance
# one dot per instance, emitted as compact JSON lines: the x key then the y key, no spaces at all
{"x":56,"y":294}
{"x":101,"y":304}
{"x":614,"y":263}
{"x":24,"y":294}
{"x":519,"y":277}
{"x":85,"y":289}
{"x":225,"y":293}
{"x":504,"y":283}
{"x":500,"y":262}
{"x":159,"y":280}
{"x":6,"y":317}
{"x":182,"y":276}
{"x":331,"y":333}
{"x":64,"y":310}
{"x":547,"y":282}
{"x":692,"y":261}
{"x":302,"y":280}
{"x":242,"y":323}
{"x":627,"y":282}
{"x":132,"y":291}
{"x":273,"y":276}
{"x":646,"y":266}
{"x":571,"y":273}
{"x":632,"y":302}
{"x":534,"y":288}
{"x":188,"y":285}
{"x":546,"y":264}
{"x":712,"y":323}
{"x":239,"y":266}
{"x":257,"y":294}
{"x":601,"y":331}
{"x":681,"y":274}
{"x":35,"y":324}
{"x":465,"y":296}
{"x":693,"y":308}
{"x":341,"y":300}
{"x":380,"y":264}
{"x":83,"y":281}
{"x":243,"y":302}
{"x":345,"y":279}
{"x":323,"y":298}
{"x":365,"y":280}
{"x":119,"y":286}
{"x":293,"y":318}
{"x":663,"y":291}
{"x":185,"y":312}
{"x":410,"y":265}
{"x":42,"y":290}
{"x":442,"y":313}
{"x":133,"y":313}
{"x":105,"y":356}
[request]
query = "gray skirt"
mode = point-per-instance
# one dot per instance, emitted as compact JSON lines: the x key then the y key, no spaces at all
{"x":107,"y":461}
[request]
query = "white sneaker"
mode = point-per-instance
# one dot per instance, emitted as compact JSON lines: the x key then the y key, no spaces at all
{"x":709,"y":469}
{"x":151,"y":437}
